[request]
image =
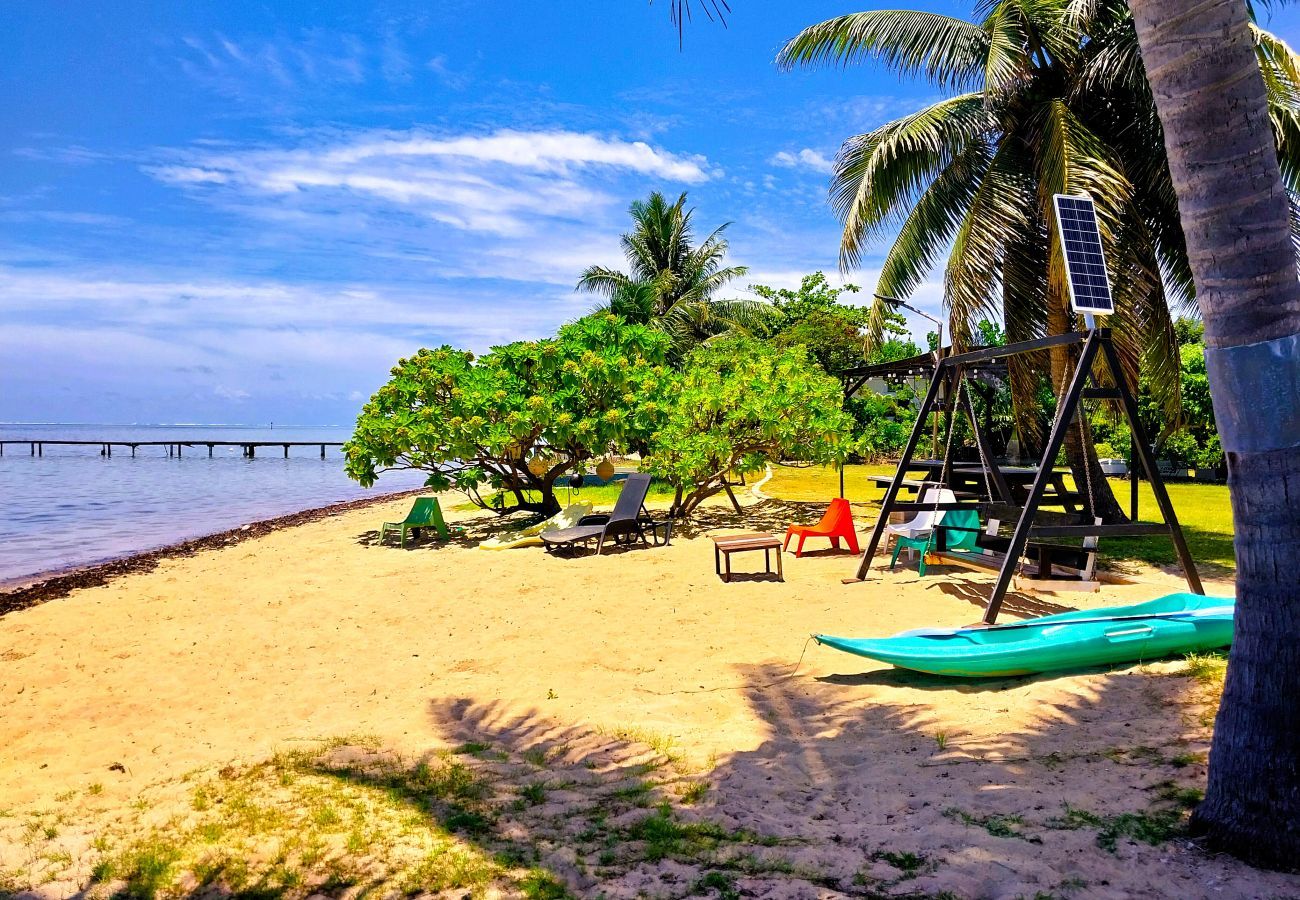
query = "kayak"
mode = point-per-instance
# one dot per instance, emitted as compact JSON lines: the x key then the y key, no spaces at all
{"x":1177,"y":623}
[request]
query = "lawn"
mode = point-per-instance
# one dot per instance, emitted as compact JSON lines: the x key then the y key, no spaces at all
{"x":1203,"y":510}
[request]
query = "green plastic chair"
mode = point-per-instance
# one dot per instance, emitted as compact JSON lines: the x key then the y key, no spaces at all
{"x":960,"y":528}
{"x":425,"y":513}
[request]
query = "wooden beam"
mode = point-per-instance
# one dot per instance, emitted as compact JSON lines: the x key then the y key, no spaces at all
{"x":891,"y":493}
{"x":1143,"y":447}
{"x":1065,"y":416}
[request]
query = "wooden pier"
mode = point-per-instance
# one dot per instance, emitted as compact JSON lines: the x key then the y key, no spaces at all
{"x":249,"y":448}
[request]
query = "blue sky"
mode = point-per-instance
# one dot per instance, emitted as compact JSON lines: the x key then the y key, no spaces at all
{"x":224,"y":212}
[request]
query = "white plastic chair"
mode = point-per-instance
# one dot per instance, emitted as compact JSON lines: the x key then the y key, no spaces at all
{"x":925,"y":520}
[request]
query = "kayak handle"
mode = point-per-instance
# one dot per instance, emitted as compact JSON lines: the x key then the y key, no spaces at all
{"x":1131,"y":634}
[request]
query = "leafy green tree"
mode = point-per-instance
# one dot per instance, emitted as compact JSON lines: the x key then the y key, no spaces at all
{"x":670,"y":283}
{"x":815,"y":317}
{"x":519,"y":417}
{"x":738,"y":404}
{"x":1051,"y":97}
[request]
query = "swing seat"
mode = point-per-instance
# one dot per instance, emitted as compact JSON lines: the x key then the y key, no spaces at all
{"x":956,"y":531}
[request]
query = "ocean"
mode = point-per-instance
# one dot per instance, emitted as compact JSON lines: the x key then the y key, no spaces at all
{"x":73,"y":507}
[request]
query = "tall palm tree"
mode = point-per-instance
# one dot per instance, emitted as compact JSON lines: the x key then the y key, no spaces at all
{"x":1051,"y":98}
{"x":1220,"y":124}
{"x":670,"y":283}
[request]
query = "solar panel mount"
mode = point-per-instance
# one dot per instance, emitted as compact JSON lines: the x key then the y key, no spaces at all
{"x":1085,"y":262}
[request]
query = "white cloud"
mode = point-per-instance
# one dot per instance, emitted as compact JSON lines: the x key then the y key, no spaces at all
{"x":504,"y":183}
{"x":805,"y":159}
{"x":229,"y":393}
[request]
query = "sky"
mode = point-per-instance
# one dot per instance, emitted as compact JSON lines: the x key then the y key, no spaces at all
{"x":247,"y":212}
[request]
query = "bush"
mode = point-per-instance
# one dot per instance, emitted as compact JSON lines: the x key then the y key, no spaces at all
{"x":594,"y":389}
{"x":739,"y":404}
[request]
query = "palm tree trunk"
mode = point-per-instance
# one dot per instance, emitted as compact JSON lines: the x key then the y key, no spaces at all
{"x":1203,"y":71}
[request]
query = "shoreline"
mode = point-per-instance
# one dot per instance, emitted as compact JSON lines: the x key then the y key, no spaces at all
{"x":53,"y":584}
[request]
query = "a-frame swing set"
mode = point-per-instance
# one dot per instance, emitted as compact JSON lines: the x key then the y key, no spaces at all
{"x":1089,"y":292}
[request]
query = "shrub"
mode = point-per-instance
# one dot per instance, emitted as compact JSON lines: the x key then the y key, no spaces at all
{"x":739,"y":404}
{"x":589,"y":391}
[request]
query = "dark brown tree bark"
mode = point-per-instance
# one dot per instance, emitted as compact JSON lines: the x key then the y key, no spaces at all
{"x":1202,"y":67}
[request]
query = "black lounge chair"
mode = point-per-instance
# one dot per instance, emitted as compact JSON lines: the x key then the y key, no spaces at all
{"x":628,"y":522}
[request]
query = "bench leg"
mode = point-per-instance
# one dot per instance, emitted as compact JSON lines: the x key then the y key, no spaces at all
{"x":780,"y":570}
{"x":727,"y":557}
{"x":717,"y":561}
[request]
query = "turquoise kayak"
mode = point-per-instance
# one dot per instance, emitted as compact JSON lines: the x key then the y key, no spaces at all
{"x":1177,"y":623}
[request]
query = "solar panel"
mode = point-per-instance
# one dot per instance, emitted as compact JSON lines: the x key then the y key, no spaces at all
{"x":1085,"y":264}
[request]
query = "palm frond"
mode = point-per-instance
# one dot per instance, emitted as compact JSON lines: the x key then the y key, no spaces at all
{"x":999,"y":208}
{"x":878,"y":175}
{"x":948,"y":51}
{"x":933,"y":220}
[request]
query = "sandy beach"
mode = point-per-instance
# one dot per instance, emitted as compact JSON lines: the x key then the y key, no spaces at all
{"x":849,"y":778}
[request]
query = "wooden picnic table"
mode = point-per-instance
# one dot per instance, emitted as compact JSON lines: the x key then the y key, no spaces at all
{"x":914,"y":487}
{"x":727,"y":544}
{"x":1020,"y":480}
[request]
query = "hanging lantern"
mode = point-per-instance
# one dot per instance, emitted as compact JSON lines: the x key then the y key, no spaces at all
{"x":538,"y":465}
{"x":605,"y":471}
{"x":576,"y":480}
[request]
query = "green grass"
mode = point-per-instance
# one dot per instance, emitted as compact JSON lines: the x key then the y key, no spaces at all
{"x":997,"y":825}
{"x":304,"y":822}
{"x":1208,"y":669}
{"x":905,"y":861}
{"x":1203,"y":510}
{"x":1166,"y":818}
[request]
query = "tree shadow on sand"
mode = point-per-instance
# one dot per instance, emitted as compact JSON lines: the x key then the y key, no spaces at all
{"x":862,"y":787}
{"x":872,"y":783}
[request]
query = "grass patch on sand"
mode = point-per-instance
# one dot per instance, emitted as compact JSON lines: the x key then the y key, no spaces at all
{"x":1003,"y":826}
{"x":1166,"y":818}
{"x":346,"y":817}
{"x":306,"y":821}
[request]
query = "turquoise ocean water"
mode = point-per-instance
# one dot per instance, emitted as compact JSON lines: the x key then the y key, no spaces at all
{"x":73,"y":507}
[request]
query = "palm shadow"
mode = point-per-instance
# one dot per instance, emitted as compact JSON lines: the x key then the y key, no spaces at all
{"x":859,"y":781}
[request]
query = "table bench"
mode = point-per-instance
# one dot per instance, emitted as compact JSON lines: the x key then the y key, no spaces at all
{"x":727,"y":544}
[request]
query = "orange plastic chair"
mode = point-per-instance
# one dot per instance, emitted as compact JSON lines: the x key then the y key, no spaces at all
{"x":835,"y":524}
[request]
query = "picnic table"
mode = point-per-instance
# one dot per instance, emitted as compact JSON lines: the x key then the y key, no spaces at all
{"x":727,"y":544}
{"x":914,"y":487}
{"x":969,"y":482}
{"x":1020,"y":480}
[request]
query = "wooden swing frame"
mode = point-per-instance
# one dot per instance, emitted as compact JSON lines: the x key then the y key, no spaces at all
{"x":1084,"y":384}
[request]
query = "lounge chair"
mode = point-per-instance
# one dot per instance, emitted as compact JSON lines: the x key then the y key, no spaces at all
{"x":956,"y":531}
{"x":425,"y":513}
{"x":531,"y":536}
{"x":628,"y":521}
{"x":835,"y":524}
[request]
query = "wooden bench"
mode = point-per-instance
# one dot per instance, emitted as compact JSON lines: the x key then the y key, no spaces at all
{"x":727,"y":544}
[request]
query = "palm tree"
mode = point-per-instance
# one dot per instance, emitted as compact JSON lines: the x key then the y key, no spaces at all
{"x":1220,"y":125}
{"x":670,"y":283}
{"x":1052,"y":99}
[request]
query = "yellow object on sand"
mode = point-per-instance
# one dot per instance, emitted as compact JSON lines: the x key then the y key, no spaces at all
{"x":531,"y":536}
